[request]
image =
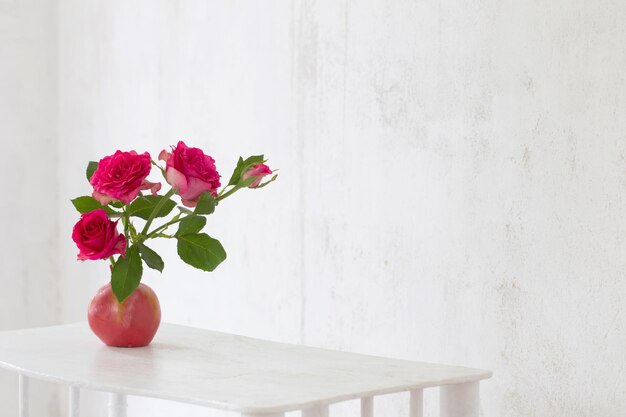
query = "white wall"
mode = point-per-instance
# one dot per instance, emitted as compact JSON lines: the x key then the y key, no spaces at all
{"x":30,"y":294}
{"x":451,"y":189}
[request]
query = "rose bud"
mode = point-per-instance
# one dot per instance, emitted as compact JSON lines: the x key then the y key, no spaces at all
{"x":258,"y":171}
{"x":121,"y":176}
{"x":190,"y":172}
{"x":97,"y":237}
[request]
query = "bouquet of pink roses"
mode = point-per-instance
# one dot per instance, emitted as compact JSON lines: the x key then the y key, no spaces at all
{"x":122,"y":193}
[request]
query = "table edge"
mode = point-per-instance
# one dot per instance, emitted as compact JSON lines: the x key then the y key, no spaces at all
{"x":120,"y":389}
{"x":117,"y":389}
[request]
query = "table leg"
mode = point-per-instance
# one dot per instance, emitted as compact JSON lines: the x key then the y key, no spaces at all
{"x":367,"y":407}
{"x":23,"y":390}
{"x":416,"y":403}
{"x":460,"y":400}
{"x":74,"y":401}
{"x":117,"y":405}
{"x":319,"y":411}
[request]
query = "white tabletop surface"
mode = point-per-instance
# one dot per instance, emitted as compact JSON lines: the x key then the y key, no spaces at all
{"x":216,"y":369}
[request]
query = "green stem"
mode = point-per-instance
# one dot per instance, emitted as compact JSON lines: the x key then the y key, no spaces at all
{"x":230,"y":192}
{"x":133,"y":231}
{"x":160,"y":168}
{"x":165,"y":236}
{"x":221,"y":192}
{"x":156,"y":210}
{"x":112,"y":260}
{"x":163,"y":227}
{"x":125,"y":222}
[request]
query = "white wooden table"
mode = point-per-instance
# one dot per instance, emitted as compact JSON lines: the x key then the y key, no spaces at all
{"x":251,"y":376}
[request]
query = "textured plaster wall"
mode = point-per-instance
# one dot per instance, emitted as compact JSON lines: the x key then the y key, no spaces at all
{"x":464,"y":176}
{"x":452,"y":179}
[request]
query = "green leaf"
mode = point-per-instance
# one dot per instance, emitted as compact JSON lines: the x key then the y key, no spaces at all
{"x":126,"y":274}
{"x":143,"y":206}
{"x":151,"y":258}
{"x":191,"y":225}
{"x":206,"y":204}
{"x":91,"y":168}
{"x":243,"y":166}
{"x":86,"y":203}
{"x":201,"y":251}
{"x":234,"y":179}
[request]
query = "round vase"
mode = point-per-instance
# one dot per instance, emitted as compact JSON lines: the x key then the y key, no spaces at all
{"x":131,"y":323}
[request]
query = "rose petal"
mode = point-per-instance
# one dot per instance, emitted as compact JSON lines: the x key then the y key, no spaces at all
{"x":259,"y":171}
{"x":119,"y":176}
{"x":164,"y":155}
{"x":102,"y":198}
{"x":120,"y":245}
{"x":177,"y":180}
{"x":189,"y":203}
{"x":154,"y":187}
{"x":96,"y":236}
{"x":195,"y":188}
{"x":128,"y":198}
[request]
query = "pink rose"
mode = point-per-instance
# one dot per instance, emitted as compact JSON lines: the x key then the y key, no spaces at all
{"x":97,"y":237}
{"x":190,"y":172}
{"x":259,"y":171}
{"x":121,"y":176}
